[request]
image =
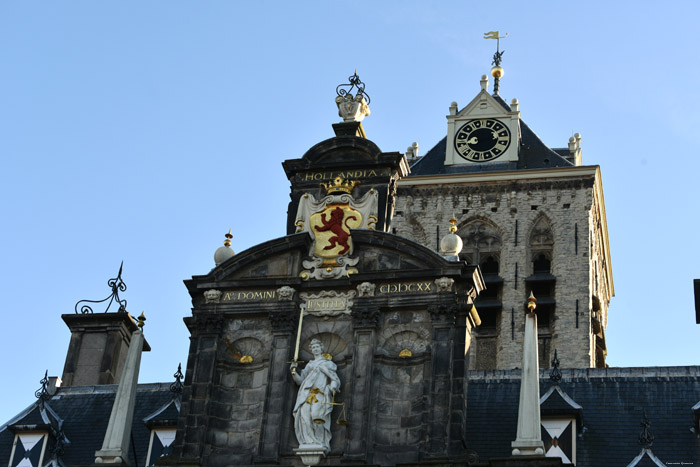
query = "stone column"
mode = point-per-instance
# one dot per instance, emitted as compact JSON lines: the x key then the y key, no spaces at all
{"x":365,"y":317}
{"x":115,"y":448}
{"x":443,"y":316}
{"x":278,"y":405}
{"x":529,"y":438}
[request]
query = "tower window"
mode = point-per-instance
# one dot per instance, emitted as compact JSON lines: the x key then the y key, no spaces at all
{"x":490,"y":266}
{"x":541,"y":264}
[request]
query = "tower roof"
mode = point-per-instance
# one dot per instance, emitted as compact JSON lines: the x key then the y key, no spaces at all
{"x":532,"y":154}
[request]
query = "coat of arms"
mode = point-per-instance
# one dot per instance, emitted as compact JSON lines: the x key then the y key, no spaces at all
{"x":329,"y":222}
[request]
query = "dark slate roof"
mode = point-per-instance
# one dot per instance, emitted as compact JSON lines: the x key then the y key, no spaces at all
{"x":613,"y":401}
{"x":533,"y":154}
{"x":165,"y":415}
{"x":85,"y":411}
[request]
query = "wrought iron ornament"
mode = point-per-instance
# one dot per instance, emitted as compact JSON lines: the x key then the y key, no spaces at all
{"x":176,"y":387}
{"x":497,"y":58}
{"x":645,"y":437}
{"x":555,"y":373}
{"x":346,"y":89}
{"x":117,"y":285}
{"x":43,"y":392}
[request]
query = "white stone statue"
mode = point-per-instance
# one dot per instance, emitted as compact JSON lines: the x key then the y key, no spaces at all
{"x":318,"y":383}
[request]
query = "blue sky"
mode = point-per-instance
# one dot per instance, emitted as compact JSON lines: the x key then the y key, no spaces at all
{"x":143,"y":131}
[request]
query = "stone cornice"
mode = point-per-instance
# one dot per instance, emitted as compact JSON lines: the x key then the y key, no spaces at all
{"x":506,"y":186}
{"x":513,"y":175}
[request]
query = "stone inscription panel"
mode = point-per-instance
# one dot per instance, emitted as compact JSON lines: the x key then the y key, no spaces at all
{"x":344,"y":174}
{"x":406,"y":287}
{"x":249,"y":295}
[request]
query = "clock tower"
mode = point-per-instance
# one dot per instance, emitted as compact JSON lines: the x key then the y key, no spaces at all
{"x":531,"y":216}
{"x":485,"y":131}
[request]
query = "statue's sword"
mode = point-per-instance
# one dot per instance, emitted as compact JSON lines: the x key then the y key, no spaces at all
{"x":302,"y":308}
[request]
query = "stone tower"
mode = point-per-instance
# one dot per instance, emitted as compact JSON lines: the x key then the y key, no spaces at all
{"x":531,"y":216}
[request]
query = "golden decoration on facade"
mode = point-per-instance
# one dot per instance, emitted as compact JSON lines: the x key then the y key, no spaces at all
{"x":338,"y":185}
{"x":531,"y":305}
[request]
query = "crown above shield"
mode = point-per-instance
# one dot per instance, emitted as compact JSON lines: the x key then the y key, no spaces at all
{"x":338,"y":185}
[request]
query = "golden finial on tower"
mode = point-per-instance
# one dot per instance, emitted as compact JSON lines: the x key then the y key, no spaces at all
{"x":228,"y":236}
{"x":531,"y":305}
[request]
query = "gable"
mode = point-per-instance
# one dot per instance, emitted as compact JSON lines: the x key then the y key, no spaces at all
{"x":378,"y":252}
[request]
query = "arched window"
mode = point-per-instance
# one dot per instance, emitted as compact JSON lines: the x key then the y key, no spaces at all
{"x":542,"y":283}
{"x":482,"y":246}
{"x":481,"y":240}
{"x":541,"y":264}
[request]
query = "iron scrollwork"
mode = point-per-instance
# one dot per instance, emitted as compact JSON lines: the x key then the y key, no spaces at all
{"x":117,"y":285}
{"x":555,"y":373}
{"x":345,"y":90}
{"x":177,"y":386}
{"x":43,"y":392}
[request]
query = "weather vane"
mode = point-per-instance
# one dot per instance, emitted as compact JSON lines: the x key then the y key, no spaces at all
{"x":497,"y":72}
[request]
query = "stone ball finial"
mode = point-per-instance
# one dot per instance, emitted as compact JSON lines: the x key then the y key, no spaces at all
{"x":225,"y":252}
{"x":451,"y":244}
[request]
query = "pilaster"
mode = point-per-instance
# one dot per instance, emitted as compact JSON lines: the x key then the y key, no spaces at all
{"x":365,"y":319}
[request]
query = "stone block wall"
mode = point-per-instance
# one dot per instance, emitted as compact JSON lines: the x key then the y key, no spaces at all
{"x":514,"y":212}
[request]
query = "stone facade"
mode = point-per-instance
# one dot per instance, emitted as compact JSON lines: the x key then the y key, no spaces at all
{"x":396,"y":326}
{"x":514,"y":219}
{"x":399,"y":349}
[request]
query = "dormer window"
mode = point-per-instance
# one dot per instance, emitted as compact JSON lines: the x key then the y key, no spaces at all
{"x":559,"y":438}
{"x":163,"y":422}
{"x":28,"y":449}
{"x":160,"y":444}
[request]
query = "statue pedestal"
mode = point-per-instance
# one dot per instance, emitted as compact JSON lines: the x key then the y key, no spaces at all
{"x":311,"y":454}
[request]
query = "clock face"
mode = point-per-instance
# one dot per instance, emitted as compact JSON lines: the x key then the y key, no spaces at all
{"x":482,"y":140}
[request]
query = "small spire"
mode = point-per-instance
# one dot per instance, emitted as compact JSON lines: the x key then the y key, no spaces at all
{"x":228,"y":236}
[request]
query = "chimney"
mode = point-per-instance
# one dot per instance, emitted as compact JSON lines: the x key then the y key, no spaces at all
{"x":98,"y":347}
